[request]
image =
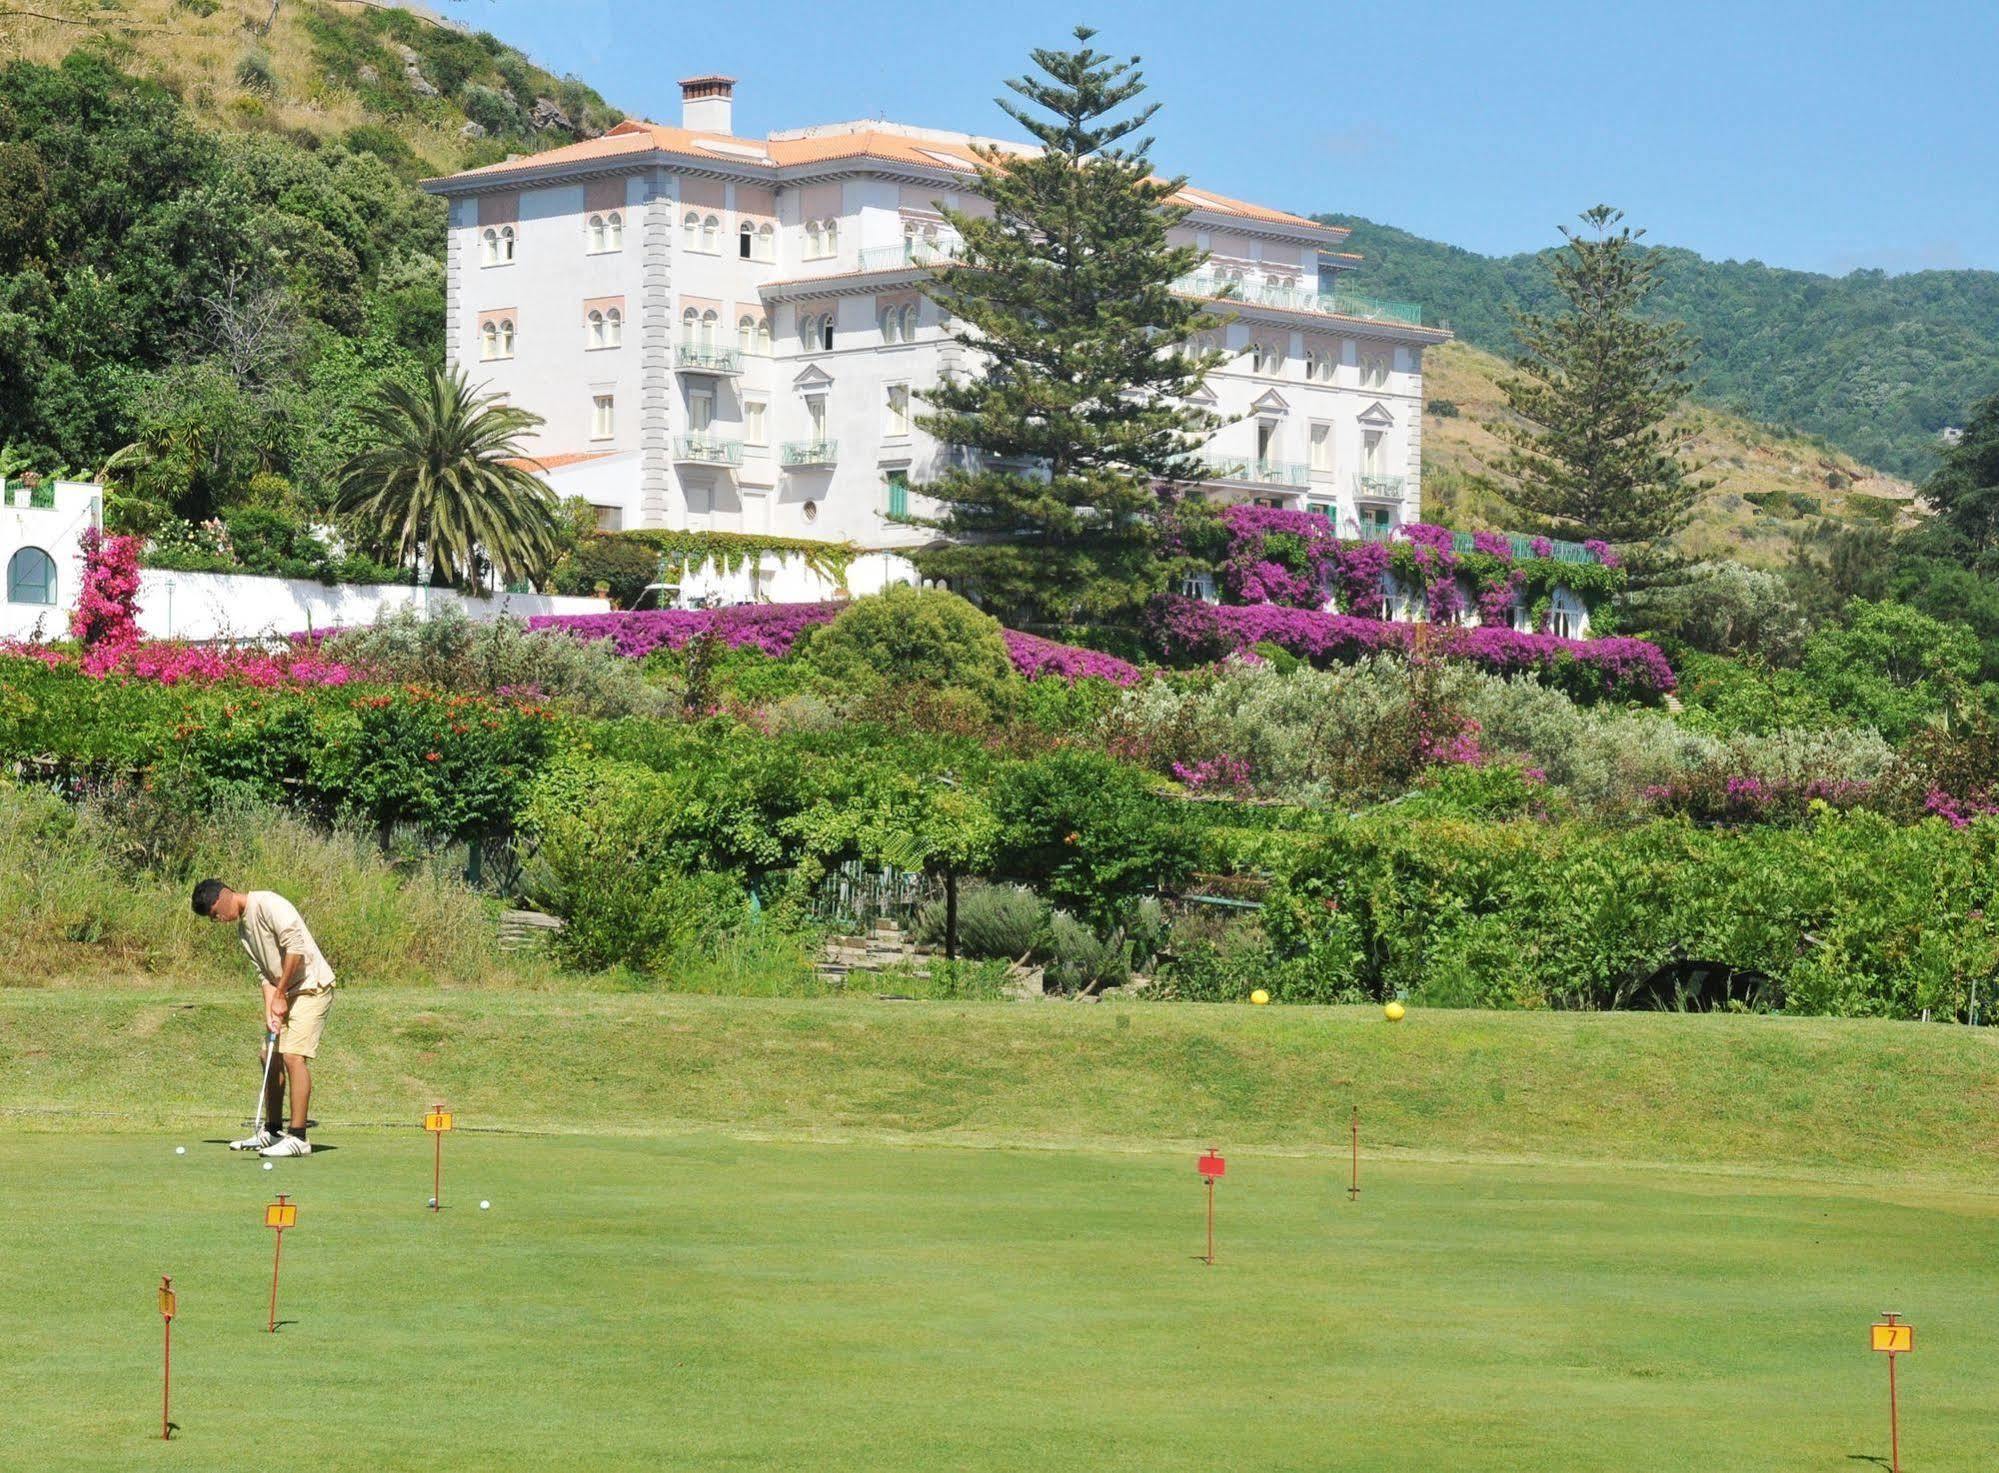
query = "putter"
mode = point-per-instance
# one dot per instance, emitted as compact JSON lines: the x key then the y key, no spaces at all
{"x":264,"y":1084}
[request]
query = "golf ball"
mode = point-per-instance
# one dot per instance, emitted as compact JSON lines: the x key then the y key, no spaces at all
{"x":1393,"y":1012}
{"x":431,"y":1203}
{"x":268,"y":1165}
{"x":180,"y":1150}
{"x":1259,"y":997}
{"x":484,"y":1205}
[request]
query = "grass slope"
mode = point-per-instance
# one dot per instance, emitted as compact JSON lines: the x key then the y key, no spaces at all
{"x":1773,"y":486}
{"x":320,"y":70}
{"x":1837,"y":1097}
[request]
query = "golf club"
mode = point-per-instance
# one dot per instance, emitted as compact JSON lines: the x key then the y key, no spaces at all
{"x":264,"y":1083}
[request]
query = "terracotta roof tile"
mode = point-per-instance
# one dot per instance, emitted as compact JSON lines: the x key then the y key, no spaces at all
{"x":555,"y":462}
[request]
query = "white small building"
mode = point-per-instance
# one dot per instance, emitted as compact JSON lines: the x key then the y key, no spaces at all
{"x":41,"y":549}
{"x":728,"y":334}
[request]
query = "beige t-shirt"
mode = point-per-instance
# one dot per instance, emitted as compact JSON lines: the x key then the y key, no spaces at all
{"x":270,"y":927}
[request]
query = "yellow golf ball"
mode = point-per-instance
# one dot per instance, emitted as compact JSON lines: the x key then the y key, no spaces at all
{"x":1259,"y":997}
{"x":1393,"y":1012}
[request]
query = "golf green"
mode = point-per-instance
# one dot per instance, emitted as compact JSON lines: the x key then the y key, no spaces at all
{"x":699,"y":1302}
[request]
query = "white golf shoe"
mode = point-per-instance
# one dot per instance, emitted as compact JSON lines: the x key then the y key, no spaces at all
{"x":288,"y":1145}
{"x":255,"y":1142}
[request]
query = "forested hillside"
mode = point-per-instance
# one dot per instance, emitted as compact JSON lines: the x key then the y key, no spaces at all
{"x":1878,"y":364}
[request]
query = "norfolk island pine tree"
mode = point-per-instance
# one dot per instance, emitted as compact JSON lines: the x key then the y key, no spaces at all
{"x":1081,"y":410}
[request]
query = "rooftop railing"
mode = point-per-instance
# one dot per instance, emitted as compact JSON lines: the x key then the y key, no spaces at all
{"x":1294,"y":299}
{"x":909,"y":253}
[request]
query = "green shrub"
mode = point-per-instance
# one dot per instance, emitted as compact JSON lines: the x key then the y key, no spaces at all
{"x":1082,"y":960}
{"x":1006,"y":922}
{"x":622,"y":568}
{"x":1087,"y":830}
{"x":911,"y":636}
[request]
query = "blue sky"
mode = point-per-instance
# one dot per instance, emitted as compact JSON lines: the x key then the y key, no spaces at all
{"x":1821,"y":136}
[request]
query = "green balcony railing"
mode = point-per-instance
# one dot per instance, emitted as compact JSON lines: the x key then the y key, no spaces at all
{"x":1523,"y":547}
{"x":707,"y":450}
{"x":808,"y":452}
{"x":1293,"y":299}
{"x":702,"y":359}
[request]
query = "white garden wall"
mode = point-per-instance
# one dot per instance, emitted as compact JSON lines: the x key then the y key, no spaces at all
{"x":243,"y":606}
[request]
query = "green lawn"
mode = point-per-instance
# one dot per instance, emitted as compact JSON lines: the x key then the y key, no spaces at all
{"x":850,"y":1235}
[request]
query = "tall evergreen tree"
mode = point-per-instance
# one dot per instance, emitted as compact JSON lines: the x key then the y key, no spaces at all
{"x":1079,"y":407}
{"x":1589,"y":452}
{"x":1965,"y":489}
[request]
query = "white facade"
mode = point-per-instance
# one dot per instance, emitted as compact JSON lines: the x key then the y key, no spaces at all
{"x":728,"y":334}
{"x":41,"y":555}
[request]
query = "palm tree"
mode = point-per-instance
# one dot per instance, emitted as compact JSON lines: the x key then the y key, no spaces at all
{"x":437,"y":478}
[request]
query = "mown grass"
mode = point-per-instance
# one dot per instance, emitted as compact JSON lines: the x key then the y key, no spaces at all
{"x":710,"y":1303}
{"x":1848,"y":1098}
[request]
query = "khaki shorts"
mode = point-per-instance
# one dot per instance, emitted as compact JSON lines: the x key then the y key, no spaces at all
{"x":305,"y":1022}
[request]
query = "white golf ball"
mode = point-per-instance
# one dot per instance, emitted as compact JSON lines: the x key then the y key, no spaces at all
{"x":484,"y":1205}
{"x":268,"y":1165}
{"x":431,"y":1203}
{"x":180,"y":1150}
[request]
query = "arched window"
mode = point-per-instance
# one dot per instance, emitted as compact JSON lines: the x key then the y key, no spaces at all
{"x":489,"y":247}
{"x":614,"y":328}
{"x":711,"y":234}
{"x":832,"y":237}
{"x":489,"y":341}
{"x":826,"y":332}
{"x":746,"y":334}
{"x":909,"y":323}
{"x":812,"y":239}
{"x":690,"y":325}
{"x":506,"y":243}
{"x":506,"y":337}
{"x":891,"y":324}
{"x":596,"y":324}
{"x":1256,"y":356}
{"x":766,"y":243}
{"x":763,"y":336}
{"x":690,"y":229}
{"x":710,"y":323}
{"x":31,"y":577}
{"x":614,"y":231}
{"x":596,"y":232}
{"x":746,"y":241}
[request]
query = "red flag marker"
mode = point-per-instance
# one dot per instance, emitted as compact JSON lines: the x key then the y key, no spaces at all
{"x":1211,"y":1166}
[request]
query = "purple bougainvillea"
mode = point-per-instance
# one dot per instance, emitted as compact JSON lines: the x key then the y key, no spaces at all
{"x":1034,"y":656}
{"x":1493,"y":544}
{"x":1616,"y":668}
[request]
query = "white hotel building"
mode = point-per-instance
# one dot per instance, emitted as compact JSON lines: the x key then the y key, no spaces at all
{"x":728,"y":334}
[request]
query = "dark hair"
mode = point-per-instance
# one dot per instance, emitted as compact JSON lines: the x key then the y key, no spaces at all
{"x":206,"y":893}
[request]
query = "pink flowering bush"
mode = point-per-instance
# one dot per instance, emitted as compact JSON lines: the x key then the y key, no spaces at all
{"x":107,"y":608}
{"x":1617,"y":669}
{"x":1221,"y":773}
{"x":170,"y":662}
{"x":1034,"y":656}
{"x":1277,"y":556}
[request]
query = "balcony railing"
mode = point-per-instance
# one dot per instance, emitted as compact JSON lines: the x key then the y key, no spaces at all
{"x":707,"y":450}
{"x":909,"y":253}
{"x":1381,"y":488}
{"x":697,"y":358}
{"x":808,"y":452}
{"x":1292,"y":299}
{"x":1262,"y":472}
{"x":1561,"y":552}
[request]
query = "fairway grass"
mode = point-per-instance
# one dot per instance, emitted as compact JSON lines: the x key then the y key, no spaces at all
{"x":856,"y":1235}
{"x":708,"y":1303}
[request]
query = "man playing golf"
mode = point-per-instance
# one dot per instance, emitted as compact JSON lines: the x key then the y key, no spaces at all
{"x":298,"y":991}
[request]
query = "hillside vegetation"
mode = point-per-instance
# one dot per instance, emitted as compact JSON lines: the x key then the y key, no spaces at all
{"x":1774,"y":487}
{"x":1877,"y":364}
{"x":435,"y":96}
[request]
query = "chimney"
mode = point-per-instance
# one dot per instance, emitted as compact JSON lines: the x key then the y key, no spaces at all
{"x":706,"y":104}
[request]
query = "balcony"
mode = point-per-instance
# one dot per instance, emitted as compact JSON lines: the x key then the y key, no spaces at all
{"x":1291,"y":299}
{"x":1378,"y":488}
{"x":808,"y":452}
{"x":706,"y":450}
{"x":696,"y":358}
{"x":908,"y":254}
{"x":1258,"y":472}
{"x":1523,"y":547}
